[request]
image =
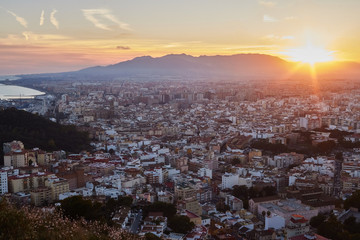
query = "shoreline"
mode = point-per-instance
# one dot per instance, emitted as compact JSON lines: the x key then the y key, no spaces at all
{"x":20,"y":96}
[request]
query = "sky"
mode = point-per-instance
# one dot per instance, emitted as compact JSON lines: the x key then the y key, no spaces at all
{"x":55,"y":36}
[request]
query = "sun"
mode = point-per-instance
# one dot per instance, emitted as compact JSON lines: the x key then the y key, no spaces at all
{"x":310,"y":54}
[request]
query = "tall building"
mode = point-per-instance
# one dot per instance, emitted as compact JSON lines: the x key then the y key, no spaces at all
{"x":3,"y":182}
{"x":57,"y":187}
{"x":18,"y":158}
{"x":229,"y":180}
{"x":40,"y":196}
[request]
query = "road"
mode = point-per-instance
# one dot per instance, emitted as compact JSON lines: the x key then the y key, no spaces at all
{"x":135,"y":223}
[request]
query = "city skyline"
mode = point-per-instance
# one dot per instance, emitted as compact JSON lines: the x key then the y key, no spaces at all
{"x":54,"y":37}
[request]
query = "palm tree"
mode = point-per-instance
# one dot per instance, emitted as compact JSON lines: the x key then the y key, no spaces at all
{"x":263,"y":214}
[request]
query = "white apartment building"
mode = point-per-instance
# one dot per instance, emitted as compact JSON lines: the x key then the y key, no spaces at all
{"x":229,"y":180}
{"x":3,"y":182}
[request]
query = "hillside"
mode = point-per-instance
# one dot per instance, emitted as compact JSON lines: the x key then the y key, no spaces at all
{"x":36,"y":131}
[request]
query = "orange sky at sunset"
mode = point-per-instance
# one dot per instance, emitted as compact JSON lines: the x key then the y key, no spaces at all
{"x":55,"y":36}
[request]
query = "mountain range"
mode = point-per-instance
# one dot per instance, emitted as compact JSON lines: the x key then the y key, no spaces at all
{"x":240,"y":66}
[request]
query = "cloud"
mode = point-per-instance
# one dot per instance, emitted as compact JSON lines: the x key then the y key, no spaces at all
{"x":269,"y":19}
{"x":42,"y":17}
{"x":20,"y":20}
{"x":42,"y":37}
{"x":276,"y":37}
{"x":26,"y":35}
{"x":123,"y":47}
{"x":19,"y":46}
{"x":290,"y":18}
{"x":53,"y":20}
{"x":267,"y":3}
{"x":102,"y":18}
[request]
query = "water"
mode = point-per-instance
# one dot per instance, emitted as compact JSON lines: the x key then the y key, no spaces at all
{"x":17,"y":92}
{"x":9,"y":77}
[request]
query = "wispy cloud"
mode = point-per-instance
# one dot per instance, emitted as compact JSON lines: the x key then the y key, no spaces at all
{"x":123,"y":47}
{"x":26,"y":35}
{"x":102,"y":18}
{"x":19,"y":19}
{"x":267,"y":3}
{"x":269,"y":19}
{"x":290,"y":18}
{"x":53,"y":20}
{"x":42,"y":17}
{"x":276,"y":37}
{"x":42,"y":37}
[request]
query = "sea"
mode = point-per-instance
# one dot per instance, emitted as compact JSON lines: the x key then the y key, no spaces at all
{"x":16,"y":92}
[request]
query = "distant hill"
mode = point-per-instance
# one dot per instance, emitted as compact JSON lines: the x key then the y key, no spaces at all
{"x":242,"y":65}
{"x":36,"y":131}
{"x":239,"y":67}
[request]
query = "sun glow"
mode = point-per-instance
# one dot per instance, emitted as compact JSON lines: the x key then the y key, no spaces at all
{"x":310,"y":54}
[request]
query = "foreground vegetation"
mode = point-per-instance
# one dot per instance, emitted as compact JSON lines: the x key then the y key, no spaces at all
{"x":28,"y":223}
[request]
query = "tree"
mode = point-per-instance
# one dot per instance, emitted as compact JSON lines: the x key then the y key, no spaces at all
{"x":76,"y":207}
{"x":111,"y":151}
{"x":268,"y":191}
{"x":241,"y":192}
{"x":13,"y":223}
{"x":181,"y":224}
{"x":112,"y":205}
{"x":151,"y":236}
{"x":353,"y":201}
{"x":36,"y":131}
{"x":339,"y":156}
{"x":317,"y":220}
{"x":168,"y":209}
{"x":326,"y":147}
{"x":235,"y":161}
{"x":33,"y":223}
{"x":351,"y":225}
{"x":332,"y":229}
{"x":222,"y":207}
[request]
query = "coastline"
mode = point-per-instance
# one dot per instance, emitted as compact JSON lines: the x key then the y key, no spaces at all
{"x":15,"y":91}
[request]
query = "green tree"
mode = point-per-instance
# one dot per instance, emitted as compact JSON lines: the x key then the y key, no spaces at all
{"x":317,"y":220}
{"x":353,"y":200}
{"x":222,"y":207}
{"x":235,"y":161}
{"x":76,"y":207}
{"x":326,"y":147}
{"x":351,"y":225}
{"x":339,"y":156}
{"x":151,"y":236}
{"x":168,"y":209}
{"x":181,"y":224}
{"x":332,"y":229}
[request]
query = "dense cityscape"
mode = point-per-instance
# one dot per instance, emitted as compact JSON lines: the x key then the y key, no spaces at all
{"x":180,"y":120}
{"x":197,"y":160}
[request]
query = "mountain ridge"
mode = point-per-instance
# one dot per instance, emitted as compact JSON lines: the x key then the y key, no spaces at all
{"x":237,"y":66}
